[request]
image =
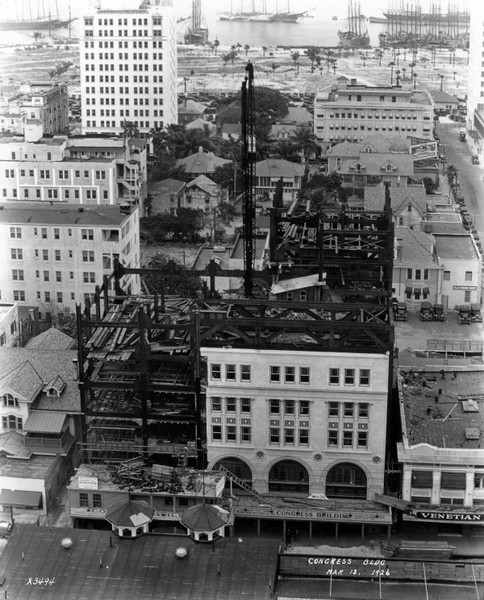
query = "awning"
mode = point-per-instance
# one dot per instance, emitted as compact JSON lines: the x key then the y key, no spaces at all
{"x":20,"y":498}
{"x":45,"y":422}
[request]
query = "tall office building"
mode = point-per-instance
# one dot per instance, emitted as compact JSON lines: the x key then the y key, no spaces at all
{"x":129,"y":68}
{"x":475,"y":87}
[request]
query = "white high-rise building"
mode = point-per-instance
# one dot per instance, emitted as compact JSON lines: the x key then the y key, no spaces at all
{"x":475,"y":87}
{"x":129,"y":68}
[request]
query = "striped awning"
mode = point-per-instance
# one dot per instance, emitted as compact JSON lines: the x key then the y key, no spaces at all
{"x":45,"y":422}
{"x":20,"y":498}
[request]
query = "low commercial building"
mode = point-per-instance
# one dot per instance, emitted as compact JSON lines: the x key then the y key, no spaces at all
{"x":351,"y":111}
{"x":441,"y":454}
{"x":56,"y":254}
{"x":462,"y":268}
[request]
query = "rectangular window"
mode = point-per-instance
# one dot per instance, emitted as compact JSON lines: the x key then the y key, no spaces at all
{"x":303,"y":436}
{"x":245,"y":405}
{"x":19,"y":295}
{"x":288,"y":435}
{"x":334,"y":409}
{"x":333,"y":437}
{"x":364,"y":376}
{"x":289,"y":407}
{"x":348,"y":409}
{"x":349,"y":377}
{"x":275,"y":374}
{"x":274,"y":435}
{"x":16,"y":253}
{"x":245,"y":373}
{"x":245,"y":434}
{"x":216,"y":433}
{"x":216,"y":403}
{"x":56,"y":234}
{"x":347,"y":438}
{"x":230,"y":373}
{"x":97,"y":500}
{"x":87,"y":234}
{"x":16,"y":232}
{"x":289,"y":374}
{"x":44,"y":233}
{"x":467,"y":296}
{"x":231,"y":404}
{"x":274,"y":407}
{"x":446,"y":275}
{"x":216,"y":371}
{"x":303,"y":408}
{"x":83,"y":499}
{"x":231,"y":433}
{"x":468,"y":276}
{"x":88,"y":256}
{"x":58,"y":276}
{"x":363,"y":410}
{"x":45,"y":255}
{"x":304,"y":375}
{"x":362,"y":439}
{"x":334,"y":376}
{"x":46,"y":276}
{"x":57,"y":255}
{"x":59,"y":298}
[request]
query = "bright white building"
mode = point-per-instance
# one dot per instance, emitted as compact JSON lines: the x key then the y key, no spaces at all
{"x":300,"y":421}
{"x":80,"y":170}
{"x":55,"y":255}
{"x":128,"y":68}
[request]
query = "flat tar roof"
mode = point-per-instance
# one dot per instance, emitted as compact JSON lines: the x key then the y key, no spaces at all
{"x":61,"y":213}
{"x":141,"y":568}
{"x":454,"y":247}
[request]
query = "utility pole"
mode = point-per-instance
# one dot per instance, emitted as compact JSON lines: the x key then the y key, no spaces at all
{"x":248,"y":172}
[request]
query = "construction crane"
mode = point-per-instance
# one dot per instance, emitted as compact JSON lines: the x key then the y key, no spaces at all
{"x":248,"y":176}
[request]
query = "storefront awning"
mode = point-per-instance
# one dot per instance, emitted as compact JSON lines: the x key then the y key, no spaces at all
{"x":45,"y":422}
{"x":20,"y":498}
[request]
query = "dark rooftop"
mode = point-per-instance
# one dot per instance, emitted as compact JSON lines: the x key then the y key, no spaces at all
{"x":141,"y":568}
{"x":446,"y":413}
{"x":455,"y":247}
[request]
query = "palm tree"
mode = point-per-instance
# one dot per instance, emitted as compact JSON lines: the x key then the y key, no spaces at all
{"x":305,"y":140}
{"x":246,"y":48}
{"x":226,"y":58}
{"x":295,"y":57}
{"x":313,"y":54}
{"x":286,"y":149}
{"x":215,"y":45}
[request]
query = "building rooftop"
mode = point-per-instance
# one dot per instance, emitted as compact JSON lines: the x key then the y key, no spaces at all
{"x":415,"y":248}
{"x":230,"y":570}
{"x":36,"y":467}
{"x":60,"y":213}
{"x":31,"y":369}
{"x":455,"y":247}
{"x":202,"y":162}
{"x":51,"y":339}
{"x":12,"y":444}
{"x":446,"y":413}
{"x":373,"y":143}
{"x":374,"y":198}
{"x":278,"y":167}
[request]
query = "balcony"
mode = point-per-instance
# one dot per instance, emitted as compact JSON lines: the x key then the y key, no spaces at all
{"x":52,"y":444}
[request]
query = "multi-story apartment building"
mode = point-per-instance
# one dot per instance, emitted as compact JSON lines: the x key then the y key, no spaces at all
{"x":129,"y":68}
{"x":46,"y":103}
{"x":351,"y":111}
{"x":55,"y":255}
{"x":475,"y":85}
{"x":80,"y":170}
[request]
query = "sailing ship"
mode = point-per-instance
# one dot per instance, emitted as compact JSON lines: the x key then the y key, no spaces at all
{"x":26,"y":17}
{"x":258,"y":13}
{"x":355,"y":36}
{"x":198,"y":33}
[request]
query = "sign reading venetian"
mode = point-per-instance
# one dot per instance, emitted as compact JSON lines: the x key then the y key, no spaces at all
{"x":447,"y":516}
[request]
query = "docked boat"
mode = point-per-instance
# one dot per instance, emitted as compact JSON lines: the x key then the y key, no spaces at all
{"x":355,"y":35}
{"x":259,"y":13}
{"x":197,"y":34}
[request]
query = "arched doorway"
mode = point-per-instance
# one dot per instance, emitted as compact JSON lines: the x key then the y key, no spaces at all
{"x":346,"y":480}
{"x":237,"y":467}
{"x":288,"y":476}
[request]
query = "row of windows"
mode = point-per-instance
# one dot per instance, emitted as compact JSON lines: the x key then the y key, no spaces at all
{"x":19,"y":296}
{"x":122,"y":90}
{"x":122,"y":44}
{"x":233,"y":434}
{"x":16,"y":232}
{"x":19,"y":275}
{"x":112,"y":124}
{"x":403,"y":117}
{"x":230,"y":405}
{"x":349,"y":376}
{"x":369,"y":128}
{"x":54,"y":193}
{"x":61,"y":174}
{"x":12,"y":422}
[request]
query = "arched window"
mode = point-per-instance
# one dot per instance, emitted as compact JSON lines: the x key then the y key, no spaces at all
{"x":237,"y":467}
{"x":346,"y":480}
{"x":288,"y":476}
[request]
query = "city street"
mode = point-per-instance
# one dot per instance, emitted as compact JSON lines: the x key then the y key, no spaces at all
{"x":470,"y":176}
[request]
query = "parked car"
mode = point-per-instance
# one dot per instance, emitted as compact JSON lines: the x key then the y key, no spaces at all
{"x":465,"y":314}
{"x":439,"y":312}
{"x":426,"y":311}
{"x":400,"y":311}
{"x":476,"y":315}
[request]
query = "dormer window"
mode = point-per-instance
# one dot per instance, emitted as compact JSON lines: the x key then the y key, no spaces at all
{"x":9,"y":400}
{"x":54,"y":388}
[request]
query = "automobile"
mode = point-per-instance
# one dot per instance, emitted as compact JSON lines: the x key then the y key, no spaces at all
{"x":474,"y":159}
{"x":439,"y":312}
{"x":476,"y":315}
{"x":400,"y":311}
{"x":465,"y":314}
{"x":426,"y":311}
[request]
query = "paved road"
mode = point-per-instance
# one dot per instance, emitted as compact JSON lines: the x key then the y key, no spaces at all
{"x":470,"y":176}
